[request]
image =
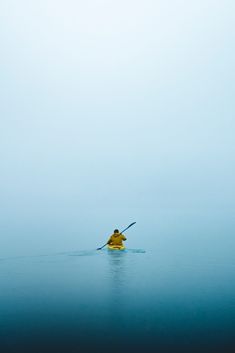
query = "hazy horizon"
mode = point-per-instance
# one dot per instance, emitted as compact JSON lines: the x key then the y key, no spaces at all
{"x":110,"y":111}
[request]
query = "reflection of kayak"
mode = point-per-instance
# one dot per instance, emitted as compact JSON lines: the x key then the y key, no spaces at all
{"x":116,"y":247}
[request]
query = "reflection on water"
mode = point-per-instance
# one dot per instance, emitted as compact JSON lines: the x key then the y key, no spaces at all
{"x":117,"y":281}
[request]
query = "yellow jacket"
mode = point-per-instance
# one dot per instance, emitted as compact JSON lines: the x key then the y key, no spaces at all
{"x":116,"y":239}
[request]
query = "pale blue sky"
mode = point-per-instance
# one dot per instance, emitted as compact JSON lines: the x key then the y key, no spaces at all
{"x":112,"y":103}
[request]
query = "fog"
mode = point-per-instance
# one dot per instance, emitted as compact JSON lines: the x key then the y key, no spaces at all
{"x":113,"y":112}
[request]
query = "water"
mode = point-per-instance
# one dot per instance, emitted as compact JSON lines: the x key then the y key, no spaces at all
{"x":176,"y":294}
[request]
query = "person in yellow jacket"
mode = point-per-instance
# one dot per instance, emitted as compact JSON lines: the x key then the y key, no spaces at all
{"x":116,"y":238}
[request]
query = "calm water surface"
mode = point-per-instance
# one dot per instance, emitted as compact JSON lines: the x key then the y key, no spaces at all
{"x":160,"y":298}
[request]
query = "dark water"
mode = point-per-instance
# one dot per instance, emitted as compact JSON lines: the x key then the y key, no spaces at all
{"x":100,"y":301}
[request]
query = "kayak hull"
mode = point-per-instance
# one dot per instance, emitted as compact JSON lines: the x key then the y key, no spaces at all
{"x":116,"y":247}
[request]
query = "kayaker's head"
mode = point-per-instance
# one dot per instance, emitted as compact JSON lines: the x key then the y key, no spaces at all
{"x":116,"y":231}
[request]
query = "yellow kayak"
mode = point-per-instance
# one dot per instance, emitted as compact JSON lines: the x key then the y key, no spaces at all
{"x":116,"y":247}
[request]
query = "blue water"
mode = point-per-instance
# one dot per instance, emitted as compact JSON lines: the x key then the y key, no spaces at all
{"x":172,"y":295}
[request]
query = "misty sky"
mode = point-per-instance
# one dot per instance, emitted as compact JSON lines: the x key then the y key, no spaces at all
{"x":112,"y":104}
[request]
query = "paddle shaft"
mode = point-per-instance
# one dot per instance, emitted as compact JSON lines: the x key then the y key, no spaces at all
{"x":120,"y":233}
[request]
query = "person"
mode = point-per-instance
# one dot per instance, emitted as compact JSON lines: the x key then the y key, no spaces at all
{"x":116,"y":238}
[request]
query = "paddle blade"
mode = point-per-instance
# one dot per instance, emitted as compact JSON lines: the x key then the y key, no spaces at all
{"x":102,"y":247}
{"x":128,"y":227}
{"x":131,"y":224}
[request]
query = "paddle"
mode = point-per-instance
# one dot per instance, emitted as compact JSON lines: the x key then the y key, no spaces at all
{"x":120,"y":233}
